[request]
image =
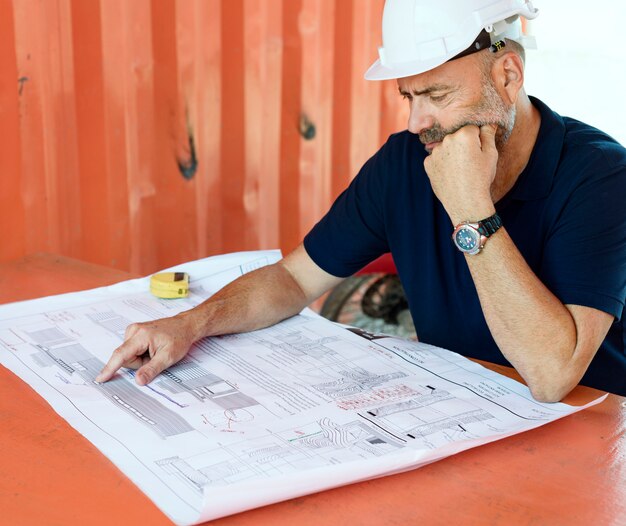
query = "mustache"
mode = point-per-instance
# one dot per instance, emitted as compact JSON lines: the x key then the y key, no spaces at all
{"x":436,"y":133}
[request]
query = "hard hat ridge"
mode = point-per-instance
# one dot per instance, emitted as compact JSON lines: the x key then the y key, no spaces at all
{"x":419,"y":35}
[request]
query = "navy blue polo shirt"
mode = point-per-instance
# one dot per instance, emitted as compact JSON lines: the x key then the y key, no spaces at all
{"x":566,"y":214}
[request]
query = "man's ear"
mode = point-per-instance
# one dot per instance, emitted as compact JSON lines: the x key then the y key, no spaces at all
{"x":508,"y":76}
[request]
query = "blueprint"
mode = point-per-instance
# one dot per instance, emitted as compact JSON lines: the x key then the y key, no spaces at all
{"x":250,"y":419}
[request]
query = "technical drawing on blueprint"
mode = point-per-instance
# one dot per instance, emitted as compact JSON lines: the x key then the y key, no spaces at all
{"x":306,"y":404}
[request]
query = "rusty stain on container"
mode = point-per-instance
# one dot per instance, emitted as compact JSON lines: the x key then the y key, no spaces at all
{"x":307,"y":128}
{"x":188,"y":165}
{"x":142,"y":134}
{"x":21,"y":82}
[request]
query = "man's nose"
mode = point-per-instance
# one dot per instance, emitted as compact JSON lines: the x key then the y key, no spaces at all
{"x":419,"y":118}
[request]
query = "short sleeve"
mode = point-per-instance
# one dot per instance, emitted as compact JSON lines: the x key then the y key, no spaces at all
{"x":584,"y":259}
{"x":352,"y":233}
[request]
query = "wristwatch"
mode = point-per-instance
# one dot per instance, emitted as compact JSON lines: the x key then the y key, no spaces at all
{"x":470,"y":237}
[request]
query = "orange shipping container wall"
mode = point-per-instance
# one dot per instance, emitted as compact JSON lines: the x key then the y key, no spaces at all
{"x":140,"y":134}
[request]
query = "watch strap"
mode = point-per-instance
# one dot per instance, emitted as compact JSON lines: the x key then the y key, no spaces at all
{"x":489,"y":225}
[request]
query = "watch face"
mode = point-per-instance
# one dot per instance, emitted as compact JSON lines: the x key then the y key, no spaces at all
{"x":466,"y":239}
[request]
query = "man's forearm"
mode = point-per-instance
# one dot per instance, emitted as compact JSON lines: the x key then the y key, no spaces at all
{"x":256,"y":300}
{"x":253,"y":301}
{"x":530,"y":325}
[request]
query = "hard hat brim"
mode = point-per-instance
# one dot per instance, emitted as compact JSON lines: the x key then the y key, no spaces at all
{"x":379,"y":72}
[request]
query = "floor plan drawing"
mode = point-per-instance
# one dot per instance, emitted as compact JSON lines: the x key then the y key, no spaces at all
{"x":285,"y":452}
{"x":250,"y":419}
{"x":75,"y":360}
{"x":356,"y":380}
{"x":111,"y":321}
{"x":187,"y":376}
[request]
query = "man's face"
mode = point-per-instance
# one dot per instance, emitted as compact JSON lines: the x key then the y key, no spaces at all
{"x":454,"y":95}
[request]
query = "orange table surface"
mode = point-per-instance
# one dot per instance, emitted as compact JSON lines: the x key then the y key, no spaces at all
{"x":569,"y":472}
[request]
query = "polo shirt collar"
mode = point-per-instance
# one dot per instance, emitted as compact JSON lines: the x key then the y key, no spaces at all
{"x":535,"y":181}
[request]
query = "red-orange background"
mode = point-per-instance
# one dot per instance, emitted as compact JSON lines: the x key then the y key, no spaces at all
{"x":101,"y":100}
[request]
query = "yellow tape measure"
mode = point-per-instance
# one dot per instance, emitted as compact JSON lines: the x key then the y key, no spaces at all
{"x":170,"y":285}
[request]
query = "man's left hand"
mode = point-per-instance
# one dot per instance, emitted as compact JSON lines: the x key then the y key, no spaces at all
{"x":461,"y":170}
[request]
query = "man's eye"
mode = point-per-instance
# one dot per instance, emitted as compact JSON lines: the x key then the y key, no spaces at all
{"x":438,"y":98}
{"x":408,"y":97}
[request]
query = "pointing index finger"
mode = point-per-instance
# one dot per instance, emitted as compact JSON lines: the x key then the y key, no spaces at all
{"x":123,"y":354}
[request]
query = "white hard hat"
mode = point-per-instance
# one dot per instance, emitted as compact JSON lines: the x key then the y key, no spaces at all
{"x":419,"y":35}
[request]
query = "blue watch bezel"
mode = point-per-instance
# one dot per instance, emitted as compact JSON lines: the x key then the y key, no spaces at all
{"x":472,"y":230}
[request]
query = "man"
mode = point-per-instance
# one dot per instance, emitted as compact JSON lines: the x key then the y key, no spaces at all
{"x":536,"y":276}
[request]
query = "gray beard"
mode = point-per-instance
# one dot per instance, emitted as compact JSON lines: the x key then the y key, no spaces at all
{"x":490,"y":110}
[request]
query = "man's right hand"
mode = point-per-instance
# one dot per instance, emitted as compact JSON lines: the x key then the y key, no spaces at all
{"x":151,"y":347}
